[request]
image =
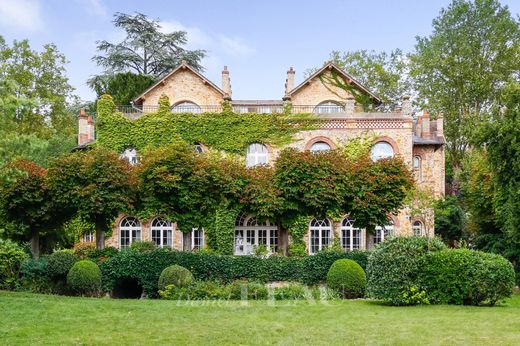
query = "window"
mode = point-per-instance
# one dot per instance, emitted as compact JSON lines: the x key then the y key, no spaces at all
{"x":197,"y":239}
{"x":320,"y":146}
{"x":417,"y":228}
{"x":417,"y":167}
{"x":256,"y":155}
{"x":198,"y":148}
{"x":162,"y":232}
{"x":320,"y":235}
{"x":186,"y":107}
{"x":88,"y":237}
{"x":381,"y":150}
{"x":350,"y":235}
{"x":130,"y":154}
{"x":129,"y":231}
{"x":383,"y":233}
{"x":328,"y":107}
{"x":251,"y":233}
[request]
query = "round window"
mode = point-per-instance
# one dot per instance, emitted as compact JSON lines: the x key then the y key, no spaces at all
{"x":382,"y":150}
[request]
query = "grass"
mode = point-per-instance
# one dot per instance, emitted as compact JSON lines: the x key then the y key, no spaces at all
{"x":39,"y":319}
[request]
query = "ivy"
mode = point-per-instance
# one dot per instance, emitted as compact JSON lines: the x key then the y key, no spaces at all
{"x":297,"y":228}
{"x":221,"y":231}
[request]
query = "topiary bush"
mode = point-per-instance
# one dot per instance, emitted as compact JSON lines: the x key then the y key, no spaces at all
{"x":394,"y":265}
{"x":348,"y":278}
{"x":11,"y":258}
{"x":59,"y":264}
{"x":84,"y":278}
{"x":175,"y":275}
{"x":469,"y":277}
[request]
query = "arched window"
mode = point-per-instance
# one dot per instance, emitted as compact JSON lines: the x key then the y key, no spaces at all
{"x":320,"y":232}
{"x":382,"y":150}
{"x":251,"y":233}
{"x":328,"y":107}
{"x":257,"y":154}
{"x":198,"y":148}
{"x":383,"y":233}
{"x":197,"y":239}
{"x":417,"y":228}
{"x":350,"y":235}
{"x":162,"y":232}
{"x":129,"y":231}
{"x":417,"y":163}
{"x":320,"y":146}
{"x":186,"y":107}
{"x":130,"y":154}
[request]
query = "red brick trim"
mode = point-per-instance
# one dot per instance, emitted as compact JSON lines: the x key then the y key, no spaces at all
{"x":320,"y":139}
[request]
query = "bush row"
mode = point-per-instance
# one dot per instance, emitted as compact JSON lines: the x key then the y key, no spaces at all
{"x":146,"y":267}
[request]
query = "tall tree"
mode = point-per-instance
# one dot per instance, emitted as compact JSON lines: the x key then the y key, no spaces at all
{"x":123,"y":87}
{"x":461,"y":67}
{"x":146,"y":49}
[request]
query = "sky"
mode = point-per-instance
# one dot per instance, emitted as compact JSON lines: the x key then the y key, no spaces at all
{"x":257,"y":40}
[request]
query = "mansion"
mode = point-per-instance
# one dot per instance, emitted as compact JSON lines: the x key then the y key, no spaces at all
{"x":418,"y":140}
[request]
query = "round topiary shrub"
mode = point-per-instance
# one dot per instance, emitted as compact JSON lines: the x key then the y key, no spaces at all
{"x":348,"y":278}
{"x":394,"y":265}
{"x":84,"y":278}
{"x":469,"y":277}
{"x":59,"y":263}
{"x":175,"y":275}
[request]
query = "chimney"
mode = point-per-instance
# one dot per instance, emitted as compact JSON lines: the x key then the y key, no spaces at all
{"x":406,"y":105}
{"x":440,"y":125}
{"x":418,"y":126}
{"x":426,"y":125}
{"x":91,"y":128}
{"x":83,"y":127}
{"x":289,"y":82}
{"x":226,"y":83}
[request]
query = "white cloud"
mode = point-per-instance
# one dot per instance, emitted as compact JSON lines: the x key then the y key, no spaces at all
{"x":21,"y":14}
{"x":94,"y":7}
{"x":234,"y":46}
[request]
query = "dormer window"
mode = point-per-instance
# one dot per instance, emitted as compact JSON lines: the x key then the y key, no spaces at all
{"x":328,"y":107}
{"x":257,"y":154}
{"x":130,"y":154}
{"x":186,"y":107}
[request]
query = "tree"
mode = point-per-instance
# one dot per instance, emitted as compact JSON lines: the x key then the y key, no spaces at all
{"x":461,"y":67}
{"x":95,"y":185}
{"x":26,"y":207}
{"x":386,"y":75}
{"x":146,"y":50}
{"x":123,"y":87}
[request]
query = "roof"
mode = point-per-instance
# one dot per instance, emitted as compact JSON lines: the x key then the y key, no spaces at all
{"x":428,"y":141}
{"x":83,"y":146}
{"x":331,"y":65}
{"x":183,"y":65}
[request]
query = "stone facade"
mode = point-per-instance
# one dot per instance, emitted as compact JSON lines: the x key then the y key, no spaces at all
{"x":418,"y":141}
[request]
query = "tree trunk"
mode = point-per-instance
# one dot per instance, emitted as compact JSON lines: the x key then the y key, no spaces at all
{"x":35,"y":245}
{"x":100,"y":235}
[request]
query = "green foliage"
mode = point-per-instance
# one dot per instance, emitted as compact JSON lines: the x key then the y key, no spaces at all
{"x":460,"y":68}
{"x":59,"y":264}
{"x":33,"y":276}
{"x":84,"y":278}
{"x":11,"y":258}
{"x":164,"y":104}
{"x":394,"y":266}
{"x":348,"y":278}
{"x":175,"y":275}
{"x":124,"y":87}
{"x":414,"y":296}
{"x":462,"y":276}
{"x":221,"y":232}
{"x":449,"y":219}
{"x":147,"y":267}
{"x":297,"y":228}
{"x":143,"y":246}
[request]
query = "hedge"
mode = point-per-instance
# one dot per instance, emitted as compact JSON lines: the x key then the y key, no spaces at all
{"x":84,"y":278}
{"x":146,"y":267}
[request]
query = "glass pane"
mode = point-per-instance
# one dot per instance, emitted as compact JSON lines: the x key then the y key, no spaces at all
{"x":382,"y":150}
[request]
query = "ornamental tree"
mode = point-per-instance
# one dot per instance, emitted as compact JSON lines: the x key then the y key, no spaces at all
{"x":95,"y":185}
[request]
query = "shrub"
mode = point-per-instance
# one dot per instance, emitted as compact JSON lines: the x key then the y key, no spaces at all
{"x":83,"y":250}
{"x":59,"y":264}
{"x":462,"y":276}
{"x":84,"y":278}
{"x":348,"y":278}
{"x":394,"y":265}
{"x":241,"y":289}
{"x":33,"y":275}
{"x":175,"y":275}
{"x":11,"y":258}
{"x":143,"y":246}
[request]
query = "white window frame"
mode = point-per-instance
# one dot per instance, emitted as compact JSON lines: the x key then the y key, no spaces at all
{"x":320,"y":146}
{"x":347,"y":235}
{"x":417,"y":168}
{"x":383,"y":233}
{"x":87,"y":237}
{"x":131,"y":155}
{"x":247,"y":226}
{"x":320,"y":226}
{"x":165,"y":230}
{"x":381,"y":156}
{"x":200,"y":236}
{"x":327,"y":107}
{"x":257,"y":154}
{"x":132,"y":225}
{"x":186,"y":107}
{"x":417,"y":228}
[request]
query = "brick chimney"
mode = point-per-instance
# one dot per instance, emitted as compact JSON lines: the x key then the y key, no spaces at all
{"x":86,"y":128}
{"x":440,"y":125}
{"x":426,"y":125}
{"x":418,"y":126}
{"x":289,"y":82}
{"x":226,"y":83}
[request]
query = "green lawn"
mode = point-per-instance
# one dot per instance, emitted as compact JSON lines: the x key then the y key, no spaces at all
{"x":39,"y":319}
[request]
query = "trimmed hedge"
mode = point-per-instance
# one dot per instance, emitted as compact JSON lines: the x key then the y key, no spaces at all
{"x":348,"y":278}
{"x":469,"y":277}
{"x":84,"y":278}
{"x":146,"y":267}
{"x":174,"y":275}
{"x":394,"y":265}
{"x":59,"y":264}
